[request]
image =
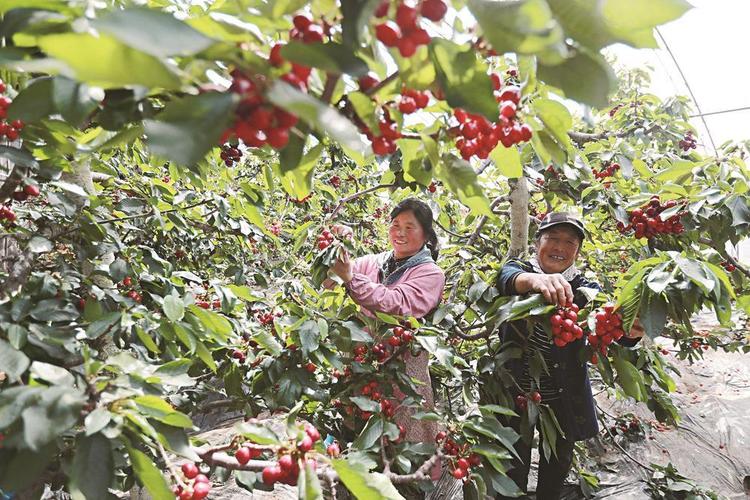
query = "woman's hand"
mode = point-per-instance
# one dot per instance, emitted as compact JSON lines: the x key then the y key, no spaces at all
{"x":343,"y":267}
{"x":342,"y":231}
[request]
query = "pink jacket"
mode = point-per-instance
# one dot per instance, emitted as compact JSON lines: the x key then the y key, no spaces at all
{"x":416,"y":293}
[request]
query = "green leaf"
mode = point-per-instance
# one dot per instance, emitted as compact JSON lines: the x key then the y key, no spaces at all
{"x":39,"y":244}
{"x":463,"y":78}
{"x":153,"y":32}
{"x":296,"y":175}
{"x":678,"y":171}
{"x":412,"y":159}
{"x":189,"y":127}
{"x":458,"y":176}
{"x":653,"y":315}
{"x":108,"y":324}
{"x":632,"y":21}
{"x":173,"y":307}
{"x":149,"y":475}
{"x":363,"y":484}
{"x":738,"y":206}
{"x":522,"y":26}
{"x":97,"y":420}
{"x":125,"y":66}
{"x":330,"y":57}
{"x":156,"y":408}
{"x":55,"y":375}
{"x":556,"y":118}
{"x":268,"y":342}
{"x":593,"y":90}
{"x":57,"y":410}
{"x":214,"y":322}
{"x":320,"y":117}
{"x":309,"y":484}
{"x":73,"y":100}
{"x":257,"y":434}
{"x":18,"y":157}
{"x":92,"y":470}
{"x":205,"y":355}
{"x":12,"y":361}
{"x":309,"y":336}
{"x":507,"y":161}
{"x":370,"y":434}
{"x":25,"y":467}
{"x":629,"y":378}
{"x":357,"y":333}
{"x":357,"y":14}
{"x":34,"y":102}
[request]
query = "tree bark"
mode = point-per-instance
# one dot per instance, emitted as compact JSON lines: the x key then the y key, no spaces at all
{"x":519,"y":217}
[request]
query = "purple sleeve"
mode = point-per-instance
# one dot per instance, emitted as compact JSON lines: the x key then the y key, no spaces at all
{"x":416,"y":295}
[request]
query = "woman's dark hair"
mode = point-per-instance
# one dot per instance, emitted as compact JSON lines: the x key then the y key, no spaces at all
{"x":423,"y":214}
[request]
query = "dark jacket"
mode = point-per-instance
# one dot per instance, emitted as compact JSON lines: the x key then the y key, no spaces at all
{"x":578,"y":416}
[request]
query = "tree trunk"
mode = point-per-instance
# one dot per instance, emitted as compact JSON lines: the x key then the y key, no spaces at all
{"x":519,"y":218}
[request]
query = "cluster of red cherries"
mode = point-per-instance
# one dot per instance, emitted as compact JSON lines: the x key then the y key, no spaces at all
{"x":646,"y":223}
{"x":247,"y":452}
{"x":197,"y":485}
{"x":688,"y":142}
{"x":728,"y":266}
{"x":412,"y":100}
{"x":335,"y":181}
{"x":385,"y":143}
{"x":325,"y":239}
{"x":406,"y":34}
{"x":564,"y":327}
{"x":256,"y":122}
{"x":267,"y":318}
{"x":286,"y":469}
{"x":11,"y":130}
{"x":479,"y":136}
{"x":204,"y":304}
{"x":462,"y":458}
{"x":608,"y":171}
{"x":132,"y":294}
{"x":608,"y":329}
{"x":401,"y":336}
{"x":522,"y":400}
{"x":230,"y":154}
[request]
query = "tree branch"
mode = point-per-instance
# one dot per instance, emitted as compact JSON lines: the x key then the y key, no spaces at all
{"x":356,"y":195}
{"x":729,"y":258}
{"x":388,"y":79}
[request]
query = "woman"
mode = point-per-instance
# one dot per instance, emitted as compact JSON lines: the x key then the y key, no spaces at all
{"x":406,"y":282}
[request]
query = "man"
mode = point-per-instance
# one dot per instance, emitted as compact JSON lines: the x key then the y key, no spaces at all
{"x":566,"y":387}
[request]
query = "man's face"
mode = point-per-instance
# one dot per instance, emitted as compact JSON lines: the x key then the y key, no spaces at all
{"x":557,"y":248}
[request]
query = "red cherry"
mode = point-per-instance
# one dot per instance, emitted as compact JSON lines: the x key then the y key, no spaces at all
{"x":508,"y":109}
{"x":260,"y":118}
{"x":406,"y":47}
{"x":458,"y":473}
{"x":301,"y":22}
{"x":271,"y":474}
{"x":536,"y":397}
{"x":17,"y":124}
{"x":242,"y":455}
{"x":275,"y":57}
{"x":382,"y":9}
{"x":313,"y":433}
{"x":286,"y":463}
{"x":305,"y":445}
{"x":381,"y":146}
{"x":440,"y":436}
{"x":367,"y":82}
{"x":314,"y":33}
{"x":186,"y":494}
{"x":278,"y":137}
{"x":407,"y":105}
{"x":420,"y":37}
{"x":434,"y":10}
{"x":510,"y":93}
{"x":406,"y":17}
{"x":285,"y":119}
{"x":475,"y":459}
{"x":190,"y":470}
{"x":388,"y":33}
{"x":200,"y":491}
{"x":127,"y":281}
{"x":311,"y":367}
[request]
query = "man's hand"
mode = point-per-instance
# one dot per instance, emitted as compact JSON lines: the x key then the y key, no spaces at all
{"x":636,"y":331}
{"x":343,"y":268}
{"x":554,"y":287}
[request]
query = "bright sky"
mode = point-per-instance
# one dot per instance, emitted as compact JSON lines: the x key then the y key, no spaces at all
{"x":710,"y":44}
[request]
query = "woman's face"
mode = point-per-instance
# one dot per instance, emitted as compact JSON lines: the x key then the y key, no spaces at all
{"x":557,"y":249}
{"x":406,"y":235}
